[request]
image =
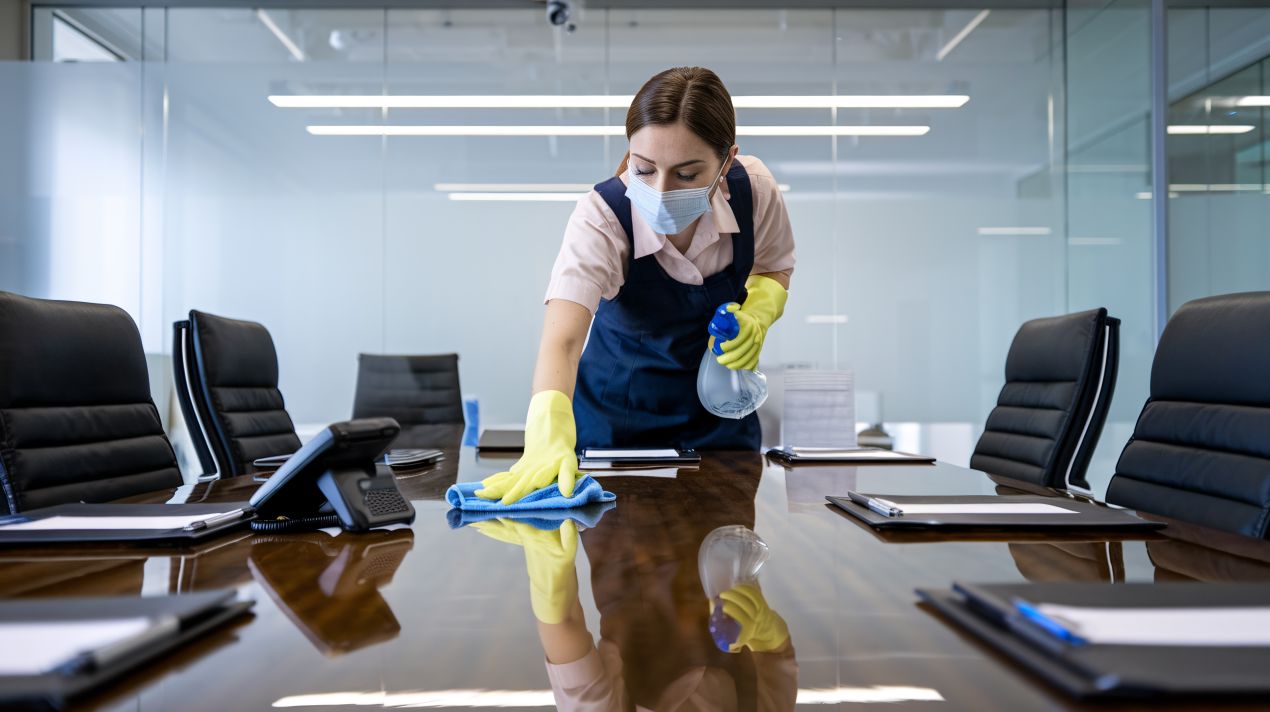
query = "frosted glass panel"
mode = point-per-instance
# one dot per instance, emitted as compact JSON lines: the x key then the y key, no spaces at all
{"x":264,"y":221}
{"x":70,"y":182}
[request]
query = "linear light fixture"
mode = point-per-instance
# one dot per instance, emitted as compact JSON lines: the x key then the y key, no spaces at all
{"x":1186,"y":129}
{"x":965,"y":32}
{"x":529,"y":187}
{"x":267,"y":20}
{"x":552,"y":101}
{"x":405,"y":130}
{"x":1014,"y":231}
{"x":538,"y":197}
{"x":1253,"y":101}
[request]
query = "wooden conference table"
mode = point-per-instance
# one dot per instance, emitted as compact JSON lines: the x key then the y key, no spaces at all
{"x":441,"y":617}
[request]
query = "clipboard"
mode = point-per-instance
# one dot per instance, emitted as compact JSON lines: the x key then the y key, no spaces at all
{"x":612,"y":459}
{"x":846,"y":456}
{"x":195,"y":614}
{"x":1100,"y":670}
{"x":500,"y":441}
{"x":238,"y":514}
{"x":1085,"y":515}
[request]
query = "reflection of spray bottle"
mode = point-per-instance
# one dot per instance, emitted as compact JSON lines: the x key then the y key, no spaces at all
{"x":723,"y":391}
{"x":728,"y":556}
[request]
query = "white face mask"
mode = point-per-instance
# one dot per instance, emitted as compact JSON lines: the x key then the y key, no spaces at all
{"x":670,"y":212}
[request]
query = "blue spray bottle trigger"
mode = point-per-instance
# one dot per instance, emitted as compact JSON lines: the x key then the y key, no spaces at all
{"x":723,"y":327}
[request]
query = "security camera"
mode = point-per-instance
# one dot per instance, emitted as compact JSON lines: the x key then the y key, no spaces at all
{"x":559,"y":12}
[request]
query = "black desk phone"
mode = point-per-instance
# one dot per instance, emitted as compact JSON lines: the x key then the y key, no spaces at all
{"x":333,"y":481}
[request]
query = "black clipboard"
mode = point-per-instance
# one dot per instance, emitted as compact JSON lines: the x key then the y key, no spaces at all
{"x":851,"y":456}
{"x":1094,"y":670}
{"x":681,"y":458}
{"x":501,"y":441}
{"x":196,"y":614}
{"x":166,"y":536}
{"x":1089,"y":516}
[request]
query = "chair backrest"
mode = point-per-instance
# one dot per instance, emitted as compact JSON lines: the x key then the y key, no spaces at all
{"x":1200,"y":451}
{"x":415,"y":390}
{"x":77,"y":423}
{"x":1059,"y":378}
{"x":230,"y":369}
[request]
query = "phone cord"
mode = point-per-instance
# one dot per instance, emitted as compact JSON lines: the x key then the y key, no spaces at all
{"x":297,"y":524}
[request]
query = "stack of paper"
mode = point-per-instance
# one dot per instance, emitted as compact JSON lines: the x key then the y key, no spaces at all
{"x":819,"y":409}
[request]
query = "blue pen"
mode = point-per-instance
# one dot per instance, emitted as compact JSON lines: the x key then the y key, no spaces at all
{"x":1047,"y":623}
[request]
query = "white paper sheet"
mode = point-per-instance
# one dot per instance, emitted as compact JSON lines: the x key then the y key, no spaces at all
{"x":1243,"y":626}
{"x":1003,"y":508}
{"x":34,"y":648}
{"x":811,"y":453}
{"x":670,"y":472}
{"x":108,"y":523}
{"x":618,"y":454}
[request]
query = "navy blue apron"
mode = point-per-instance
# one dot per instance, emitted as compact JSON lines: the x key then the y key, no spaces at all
{"x":637,"y":380}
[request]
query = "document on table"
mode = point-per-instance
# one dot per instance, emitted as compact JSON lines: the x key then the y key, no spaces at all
{"x":992,"y":508}
{"x":668,"y":472}
{"x":37,"y":647}
{"x":841,"y":455}
{"x":70,"y":523}
{"x":1217,"y":627}
{"x":596,"y":454}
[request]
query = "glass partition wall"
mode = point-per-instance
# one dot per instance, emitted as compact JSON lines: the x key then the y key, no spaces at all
{"x":359,"y":180}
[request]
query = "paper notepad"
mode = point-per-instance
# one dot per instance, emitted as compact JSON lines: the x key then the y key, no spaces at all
{"x":596,"y":454}
{"x":37,"y":647}
{"x":1222,"y":627}
{"x":818,"y":453}
{"x":1003,"y":508}
{"x":71,"y":523}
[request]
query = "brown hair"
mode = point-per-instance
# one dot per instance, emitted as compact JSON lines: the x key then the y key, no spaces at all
{"x":694,"y":95}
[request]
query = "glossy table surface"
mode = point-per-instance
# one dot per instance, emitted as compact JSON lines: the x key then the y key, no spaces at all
{"x":441,"y":618}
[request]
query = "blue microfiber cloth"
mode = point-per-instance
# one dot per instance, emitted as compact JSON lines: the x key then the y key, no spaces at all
{"x":585,"y":491}
{"x":588,"y":516}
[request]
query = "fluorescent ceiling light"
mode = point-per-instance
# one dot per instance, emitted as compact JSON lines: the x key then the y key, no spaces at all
{"x":1184,"y":129}
{"x":1014,"y":231}
{"x":292,"y":47}
{"x":512,"y":187}
{"x":529,"y":187}
{"x":1253,"y":101}
{"x":401,"y":130}
{"x":540,"y":197}
{"x":552,"y":101}
{"x":965,"y":31}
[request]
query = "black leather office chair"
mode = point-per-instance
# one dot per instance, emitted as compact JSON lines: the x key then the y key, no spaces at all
{"x":1200,"y":451}
{"x":1059,"y":378}
{"x":227,"y":382}
{"x":77,"y":423}
{"x":414,"y":390}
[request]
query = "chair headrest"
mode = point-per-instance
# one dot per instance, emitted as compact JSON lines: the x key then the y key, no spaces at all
{"x":234,"y":352}
{"x":58,"y":353}
{"x":1216,"y":350}
{"x":1053,"y":348}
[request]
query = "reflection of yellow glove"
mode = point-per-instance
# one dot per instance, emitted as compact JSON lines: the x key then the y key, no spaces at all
{"x":762,"y":629}
{"x":764,"y":304}
{"x":550,"y":437}
{"x":549,"y":555}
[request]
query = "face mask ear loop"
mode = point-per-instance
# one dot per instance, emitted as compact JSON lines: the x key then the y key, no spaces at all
{"x":718,"y":180}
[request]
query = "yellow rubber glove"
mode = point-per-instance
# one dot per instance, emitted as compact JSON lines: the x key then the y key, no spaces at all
{"x":764,"y":304}
{"x":549,"y":557}
{"x":550,"y":436}
{"x":762,"y":629}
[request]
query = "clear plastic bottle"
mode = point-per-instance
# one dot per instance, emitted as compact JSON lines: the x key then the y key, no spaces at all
{"x":728,"y":556}
{"x":723,"y":391}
